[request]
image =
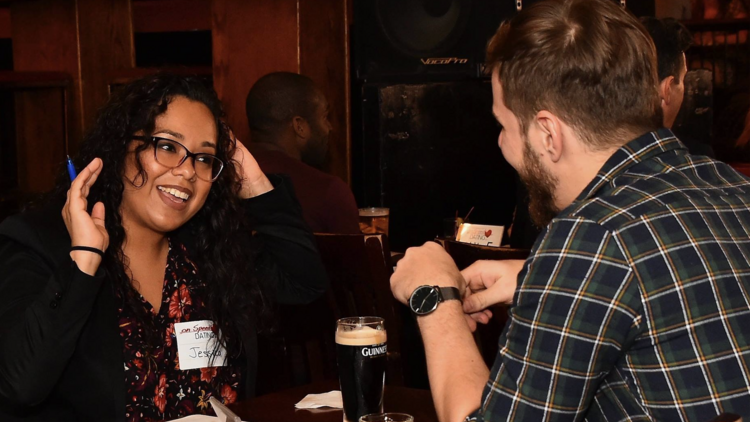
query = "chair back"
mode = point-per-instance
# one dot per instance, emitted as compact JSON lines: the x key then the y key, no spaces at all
{"x":359,"y":269}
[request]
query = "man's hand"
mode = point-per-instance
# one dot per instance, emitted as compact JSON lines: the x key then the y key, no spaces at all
{"x":429,"y":265}
{"x":490,"y":283}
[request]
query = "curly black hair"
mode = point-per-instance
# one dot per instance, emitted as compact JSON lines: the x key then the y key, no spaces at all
{"x":229,"y":266}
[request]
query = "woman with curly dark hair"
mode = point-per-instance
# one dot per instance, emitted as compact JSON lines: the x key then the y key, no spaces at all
{"x":144,"y":299}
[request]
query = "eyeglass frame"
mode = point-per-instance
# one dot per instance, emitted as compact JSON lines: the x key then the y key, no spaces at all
{"x":189,"y":154}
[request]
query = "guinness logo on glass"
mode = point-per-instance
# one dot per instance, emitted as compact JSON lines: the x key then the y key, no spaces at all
{"x":375,"y":351}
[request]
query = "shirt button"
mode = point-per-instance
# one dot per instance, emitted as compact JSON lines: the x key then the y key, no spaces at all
{"x":53,"y":304}
{"x":58,"y":296}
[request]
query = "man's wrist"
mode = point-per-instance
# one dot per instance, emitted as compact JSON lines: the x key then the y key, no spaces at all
{"x":448,"y":310}
{"x":426,"y":299}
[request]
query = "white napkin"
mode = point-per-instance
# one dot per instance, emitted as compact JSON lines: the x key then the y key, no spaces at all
{"x":314,"y":401}
{"x":222,"y":414}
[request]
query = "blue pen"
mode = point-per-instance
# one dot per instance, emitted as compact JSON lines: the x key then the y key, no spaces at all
{"x":71,"y":169}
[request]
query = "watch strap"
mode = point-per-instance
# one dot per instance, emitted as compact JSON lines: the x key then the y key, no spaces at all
{"x":450,"y":293}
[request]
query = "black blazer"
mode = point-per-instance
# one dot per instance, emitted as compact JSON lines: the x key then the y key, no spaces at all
{"x":60,"y":350}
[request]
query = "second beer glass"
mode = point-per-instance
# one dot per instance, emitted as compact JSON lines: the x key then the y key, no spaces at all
{"x":361,"y":349}
{"x":373,"y":220}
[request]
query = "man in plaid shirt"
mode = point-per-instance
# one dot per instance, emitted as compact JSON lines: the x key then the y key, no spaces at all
{"x":635,"y":301}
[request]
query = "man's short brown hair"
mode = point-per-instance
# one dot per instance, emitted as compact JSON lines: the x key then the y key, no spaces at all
{"x":589,"y":62}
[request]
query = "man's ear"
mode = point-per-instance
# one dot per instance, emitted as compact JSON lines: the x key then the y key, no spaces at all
{"x":550,"y":128}
{"x":665,"y":89}
{"x":301,"y":127}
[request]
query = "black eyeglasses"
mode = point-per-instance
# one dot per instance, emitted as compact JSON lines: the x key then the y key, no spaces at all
{"x":171,"y":153}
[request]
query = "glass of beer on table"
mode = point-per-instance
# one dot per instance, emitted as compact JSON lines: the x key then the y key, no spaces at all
{"x":373,"y":220}
{"x":361,"y":351}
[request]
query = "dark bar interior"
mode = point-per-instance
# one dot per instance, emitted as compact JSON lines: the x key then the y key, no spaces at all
{"x":409,"y":104}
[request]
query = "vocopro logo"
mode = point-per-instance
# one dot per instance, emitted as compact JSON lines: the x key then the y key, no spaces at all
{"x":375,"y":351}
{"x":444,"y":60}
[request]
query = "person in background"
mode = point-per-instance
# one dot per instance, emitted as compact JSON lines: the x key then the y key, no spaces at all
{"x":169,"y":221}
{"x":635,"y":301}
{"x":289,"y":129}
{"x":672,"y":39}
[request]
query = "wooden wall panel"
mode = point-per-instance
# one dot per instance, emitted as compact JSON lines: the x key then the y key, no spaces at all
{"x":106,"y":46}
{"x":4,"y":22}
{"x":171,"y":15}
{"x":45,"y":38}
{"x":251,"y":38}
{"x":40,"y":142}
{"x":92,"y":39}
{"x":324,"y":57}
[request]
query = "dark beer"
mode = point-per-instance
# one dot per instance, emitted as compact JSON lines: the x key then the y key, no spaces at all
{"x":361,"y":348}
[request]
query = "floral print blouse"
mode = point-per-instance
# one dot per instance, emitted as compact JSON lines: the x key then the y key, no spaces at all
{"x":157,"y":389}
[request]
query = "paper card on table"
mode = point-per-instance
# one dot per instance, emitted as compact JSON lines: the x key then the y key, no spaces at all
{"x":480,"y":234}
{"x":223,"y":412}
{"x":314,"y":401}
{"x":197,"y":346}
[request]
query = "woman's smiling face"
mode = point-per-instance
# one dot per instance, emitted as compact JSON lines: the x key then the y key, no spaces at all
{"x":169,"y":197}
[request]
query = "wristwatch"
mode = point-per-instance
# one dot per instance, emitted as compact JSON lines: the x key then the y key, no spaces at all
{"x":425,"y":299}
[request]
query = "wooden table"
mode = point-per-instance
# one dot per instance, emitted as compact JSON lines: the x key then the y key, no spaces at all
{"x":279,"y":406}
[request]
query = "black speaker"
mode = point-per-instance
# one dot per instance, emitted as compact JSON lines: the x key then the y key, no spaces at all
{"x":434,"y":39}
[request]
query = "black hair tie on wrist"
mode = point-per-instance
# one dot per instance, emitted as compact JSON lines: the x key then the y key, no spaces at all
{"x":88,"y":249}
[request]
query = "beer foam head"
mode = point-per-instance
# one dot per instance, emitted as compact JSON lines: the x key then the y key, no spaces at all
{"x":373,"y":212}
{"x":360,"y":336}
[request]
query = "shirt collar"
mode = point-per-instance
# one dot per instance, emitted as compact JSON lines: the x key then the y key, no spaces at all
{"x":634,"y":152}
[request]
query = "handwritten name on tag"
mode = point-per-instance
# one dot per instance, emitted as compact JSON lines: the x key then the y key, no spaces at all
{"x":197,"y":345}
{"x":480,"y":234}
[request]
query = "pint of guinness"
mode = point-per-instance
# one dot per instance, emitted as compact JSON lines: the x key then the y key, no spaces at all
{"x":361,"y":347}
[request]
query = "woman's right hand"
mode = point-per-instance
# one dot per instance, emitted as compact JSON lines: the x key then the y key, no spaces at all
{"x":84,"y":229}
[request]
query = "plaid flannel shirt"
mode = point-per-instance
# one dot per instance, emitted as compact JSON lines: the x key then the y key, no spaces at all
{"x":635,"y":302}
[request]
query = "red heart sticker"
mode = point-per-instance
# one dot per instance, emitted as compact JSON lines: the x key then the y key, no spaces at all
{"x":488,"y":233}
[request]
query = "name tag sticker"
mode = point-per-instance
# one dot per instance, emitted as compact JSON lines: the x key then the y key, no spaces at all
{"x":480,"y":234}
{"x":197,"y":346}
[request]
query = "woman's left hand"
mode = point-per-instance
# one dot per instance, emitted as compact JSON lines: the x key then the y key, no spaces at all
{"x":254,"y":181}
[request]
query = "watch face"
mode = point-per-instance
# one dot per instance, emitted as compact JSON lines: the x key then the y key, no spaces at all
{"x":424,"y":300}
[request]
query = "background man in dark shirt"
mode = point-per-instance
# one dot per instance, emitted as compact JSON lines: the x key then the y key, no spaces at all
{"x":289,"y":128}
